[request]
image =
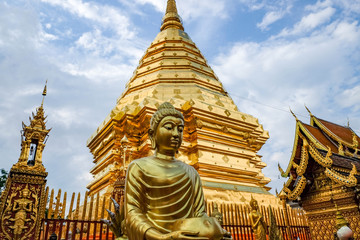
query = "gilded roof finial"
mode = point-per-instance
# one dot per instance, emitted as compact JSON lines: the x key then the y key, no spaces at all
{"x":293,"y":114}
{"x":308,"y":110}
{"x":341,"y":149}
{"x":171,"y":18}
{"x":282,"y":173}
{"x":44,"y":93}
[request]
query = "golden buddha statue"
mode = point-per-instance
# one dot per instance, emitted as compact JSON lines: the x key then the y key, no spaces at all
{"x":163,"y":196}
{"x":258,"y":224}
{"x":217,"y":214}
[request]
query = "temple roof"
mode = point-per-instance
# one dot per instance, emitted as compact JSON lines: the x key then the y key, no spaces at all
{"x":319,"y":136}
{"x":333,"y":147}
{"x":343,"y":161}
{"x":342,"y":133}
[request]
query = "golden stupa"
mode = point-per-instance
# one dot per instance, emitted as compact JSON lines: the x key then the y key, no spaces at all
{"x":219,"y":141}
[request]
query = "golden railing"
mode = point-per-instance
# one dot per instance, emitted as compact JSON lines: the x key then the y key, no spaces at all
{"x":82,"y":221}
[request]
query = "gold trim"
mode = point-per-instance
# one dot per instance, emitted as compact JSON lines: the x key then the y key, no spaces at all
{"x":349,"y":181}
{"x":312,"y":138}
{"x":291,"y":178}
{"x":301,"y":168}
{"x":300,"y":186}
{"x":293,"y":151}
{"x":325,"y":162}
{"x":352,"y":145}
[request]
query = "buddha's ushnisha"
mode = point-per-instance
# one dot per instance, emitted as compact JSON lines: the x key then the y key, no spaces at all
{"x":160,"y":189}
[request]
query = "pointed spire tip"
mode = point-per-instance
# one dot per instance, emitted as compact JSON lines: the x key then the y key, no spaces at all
{"x":171,"y":18}
{"x":44,"y":93}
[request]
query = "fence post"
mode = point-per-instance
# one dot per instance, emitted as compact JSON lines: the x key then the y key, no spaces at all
{"x":283,"y":197}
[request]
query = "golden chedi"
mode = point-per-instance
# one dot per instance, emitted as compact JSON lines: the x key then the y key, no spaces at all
{"x":163,"y":196}
{"x":220,"y":142}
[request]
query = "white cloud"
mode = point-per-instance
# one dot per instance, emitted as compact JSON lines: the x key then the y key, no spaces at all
{"x":158,"y":4}
{"x":100,"y":71}
{"x":103,"y":14}
{"x":269,"y":18}
{"x":350,"y":98}
{"x":67,"y":117}
{"x":310,"y":21}
{"x":190,"y":10}
{"x":311,"y":70}
{"x":275,"y":11}
{"x":47,"y":37}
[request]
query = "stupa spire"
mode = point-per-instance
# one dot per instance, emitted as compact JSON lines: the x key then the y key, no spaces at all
{"x":171,"y":18}
{"x":44,"y":93}
{"x":171,"y":6}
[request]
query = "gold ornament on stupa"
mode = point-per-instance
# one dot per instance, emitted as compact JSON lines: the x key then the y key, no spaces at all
{"x":219,"y":141}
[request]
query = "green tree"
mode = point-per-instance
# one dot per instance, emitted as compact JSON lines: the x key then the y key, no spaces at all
{"x":3,"y":177}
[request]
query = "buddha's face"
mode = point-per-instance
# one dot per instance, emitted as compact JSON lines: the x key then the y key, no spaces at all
{"x":168,"y":135}
{"x":254,"y":205}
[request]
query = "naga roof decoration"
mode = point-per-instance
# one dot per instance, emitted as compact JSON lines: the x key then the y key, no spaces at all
{"x":323,"y":161}
{"x":349,"y":181}
{"x":332,"y":147}
{"x":299,"y":188}
{"x":289,"y":181}
{"x":301,"y":168}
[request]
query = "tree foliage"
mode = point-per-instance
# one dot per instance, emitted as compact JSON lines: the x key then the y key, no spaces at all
{"x":3,"y":177}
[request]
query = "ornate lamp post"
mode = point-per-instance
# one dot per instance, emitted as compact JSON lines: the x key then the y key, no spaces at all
{"x":283,"y":198}
{"x":119,"y":185}
{"x":124,"y":144}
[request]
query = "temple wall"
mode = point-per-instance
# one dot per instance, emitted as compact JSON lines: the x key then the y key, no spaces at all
{"x":322,"y":226}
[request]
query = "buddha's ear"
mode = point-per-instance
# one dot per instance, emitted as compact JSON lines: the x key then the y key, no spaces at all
{"x":152,"y":139}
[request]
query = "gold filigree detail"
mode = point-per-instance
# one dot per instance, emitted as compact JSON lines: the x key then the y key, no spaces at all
{"x":300,"y":186}
{"x":291,"y":178}
{"x":349,"y":181}
{"x":286,"y":190}
{"x":301,"y":168}
{"x":323,"y":161}
{"x":355,"y":141}
{"x":341,"y":150}
{"x":24,"y":205}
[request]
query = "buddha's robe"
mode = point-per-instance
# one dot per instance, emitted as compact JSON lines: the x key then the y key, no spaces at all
{"x":158,"y":192}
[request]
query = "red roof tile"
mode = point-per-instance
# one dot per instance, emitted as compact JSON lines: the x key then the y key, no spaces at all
{"x":319,"y":135}
{"x":342,"y":132}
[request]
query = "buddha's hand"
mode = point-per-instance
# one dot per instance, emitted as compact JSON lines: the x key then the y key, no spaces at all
{"x":183,"y":235}
{"x":153,"y":234}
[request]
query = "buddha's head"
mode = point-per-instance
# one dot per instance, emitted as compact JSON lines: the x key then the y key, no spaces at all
{"x":254,"y":204}
{"x":166,"y":129}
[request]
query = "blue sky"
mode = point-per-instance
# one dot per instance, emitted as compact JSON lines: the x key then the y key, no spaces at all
{"x":269,"y":54}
